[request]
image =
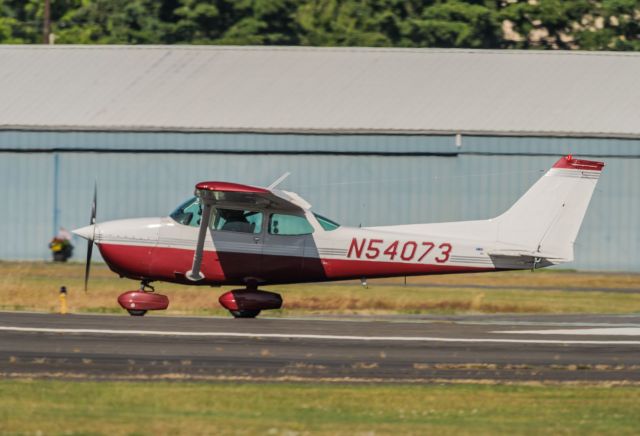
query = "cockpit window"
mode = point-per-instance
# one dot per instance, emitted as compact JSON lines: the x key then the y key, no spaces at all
{"x":188,"y":213}
{"x":326,"y":223}
{"x":234,"y":220}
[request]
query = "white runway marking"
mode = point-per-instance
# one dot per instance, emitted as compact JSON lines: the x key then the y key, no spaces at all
{"x":309,"y":336}
{"x":614,"y":331}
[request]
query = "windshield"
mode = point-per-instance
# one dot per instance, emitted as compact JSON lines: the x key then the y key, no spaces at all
{"x":326,"y":223}
{"x":188,"y":213}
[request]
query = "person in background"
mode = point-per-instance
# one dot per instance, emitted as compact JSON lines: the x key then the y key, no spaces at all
{"x":61,"y":247}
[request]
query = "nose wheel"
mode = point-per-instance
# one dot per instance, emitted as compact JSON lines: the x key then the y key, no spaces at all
{"x":139,"y":302}
{"x":244,"y":313}
{"x":144,"y":284}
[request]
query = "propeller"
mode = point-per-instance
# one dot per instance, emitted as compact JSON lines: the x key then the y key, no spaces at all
{"x":92,"y":222}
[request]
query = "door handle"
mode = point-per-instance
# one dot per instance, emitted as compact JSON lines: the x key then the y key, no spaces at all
{"x":256,"y":239}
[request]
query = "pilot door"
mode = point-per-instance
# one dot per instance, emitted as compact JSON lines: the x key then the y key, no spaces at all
{"x":285,"y":238}
{"x":237,"y":235}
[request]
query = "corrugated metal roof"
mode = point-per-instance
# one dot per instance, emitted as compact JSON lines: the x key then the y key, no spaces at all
{"x":324,"y":90}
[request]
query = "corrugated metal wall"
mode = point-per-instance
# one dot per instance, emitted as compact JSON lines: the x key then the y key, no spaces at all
{"x":480,"y":179}
{"x":224,"y":142}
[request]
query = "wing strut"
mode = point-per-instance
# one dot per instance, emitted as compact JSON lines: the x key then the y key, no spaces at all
{"x":195,"y":274}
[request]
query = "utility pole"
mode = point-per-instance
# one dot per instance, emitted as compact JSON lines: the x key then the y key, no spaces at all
{"x":47,"y":22}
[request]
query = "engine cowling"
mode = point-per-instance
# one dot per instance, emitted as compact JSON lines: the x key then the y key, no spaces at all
{"x":250,"y":300}
{"x":137,"y":300}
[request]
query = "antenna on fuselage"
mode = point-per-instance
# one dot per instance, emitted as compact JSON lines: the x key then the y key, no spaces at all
{"x":279,"y":180}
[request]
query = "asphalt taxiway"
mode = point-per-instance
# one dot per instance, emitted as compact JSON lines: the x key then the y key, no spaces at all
{"x":393,"y":348}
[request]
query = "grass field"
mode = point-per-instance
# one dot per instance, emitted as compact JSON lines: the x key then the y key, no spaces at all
{"x":56,"y":407}
{"x":35,"y":285}
{"x":182,"y":407}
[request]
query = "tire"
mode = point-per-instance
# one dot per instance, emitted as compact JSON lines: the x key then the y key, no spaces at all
{"x":134,"y":312}
{"x":244,"y":313}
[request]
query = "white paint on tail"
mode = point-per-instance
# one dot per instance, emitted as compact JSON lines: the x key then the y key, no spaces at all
{"x":543,"y":223}
{"x":547,"y":218}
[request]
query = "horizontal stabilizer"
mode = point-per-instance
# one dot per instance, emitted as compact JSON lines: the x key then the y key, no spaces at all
{"x":519,"y":260}
{"x":525,"y":253}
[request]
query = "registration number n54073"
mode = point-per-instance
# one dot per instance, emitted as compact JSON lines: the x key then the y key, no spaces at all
{"x":423,"y":251}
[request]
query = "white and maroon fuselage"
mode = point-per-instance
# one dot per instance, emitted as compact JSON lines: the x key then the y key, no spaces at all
{"x":162,"y":249}
{"x":538,"y":230}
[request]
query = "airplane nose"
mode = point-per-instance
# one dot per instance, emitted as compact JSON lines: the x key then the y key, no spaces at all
{"x":85,"y":232}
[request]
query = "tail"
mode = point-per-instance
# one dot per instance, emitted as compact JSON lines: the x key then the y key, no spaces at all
{"x":540,"y":227}
{"x":547,"y":218}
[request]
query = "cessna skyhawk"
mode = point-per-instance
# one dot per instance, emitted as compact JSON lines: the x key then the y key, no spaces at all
{"x":233,"y":234}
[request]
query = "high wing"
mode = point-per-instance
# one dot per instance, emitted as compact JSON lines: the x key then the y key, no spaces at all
{"x":234,"y":194}
{"x":225,"y":194}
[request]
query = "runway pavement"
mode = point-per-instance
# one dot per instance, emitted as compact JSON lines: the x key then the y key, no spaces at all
{"x":372,"y":349}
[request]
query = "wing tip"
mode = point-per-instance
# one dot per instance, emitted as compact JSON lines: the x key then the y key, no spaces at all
{"x":230,"y":187}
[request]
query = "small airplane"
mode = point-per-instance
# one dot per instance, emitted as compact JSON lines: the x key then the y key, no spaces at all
{"x":234,"y":234}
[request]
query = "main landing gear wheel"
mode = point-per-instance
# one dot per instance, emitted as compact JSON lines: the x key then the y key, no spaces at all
{"x":134,"y":312}
{"x":244,"y":313}
{"x":249,"y":302}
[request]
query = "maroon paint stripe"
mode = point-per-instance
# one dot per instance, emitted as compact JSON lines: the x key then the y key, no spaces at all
{"x":162,"y":263}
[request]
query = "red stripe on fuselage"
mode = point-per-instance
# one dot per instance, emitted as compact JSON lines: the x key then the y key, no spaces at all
{"x":128,"y":260}
{"x":342,"y":269}
{"x":159,"y":263}
{"x":170,"y":264}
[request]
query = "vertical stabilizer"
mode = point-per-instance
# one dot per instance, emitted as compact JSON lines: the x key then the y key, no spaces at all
{"x":547,"y":218}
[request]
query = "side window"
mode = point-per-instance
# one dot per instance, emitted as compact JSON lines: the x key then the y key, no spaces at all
{"x":233,"y":220}
{"x":282,"y":224}
{"x":326,"y":223}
